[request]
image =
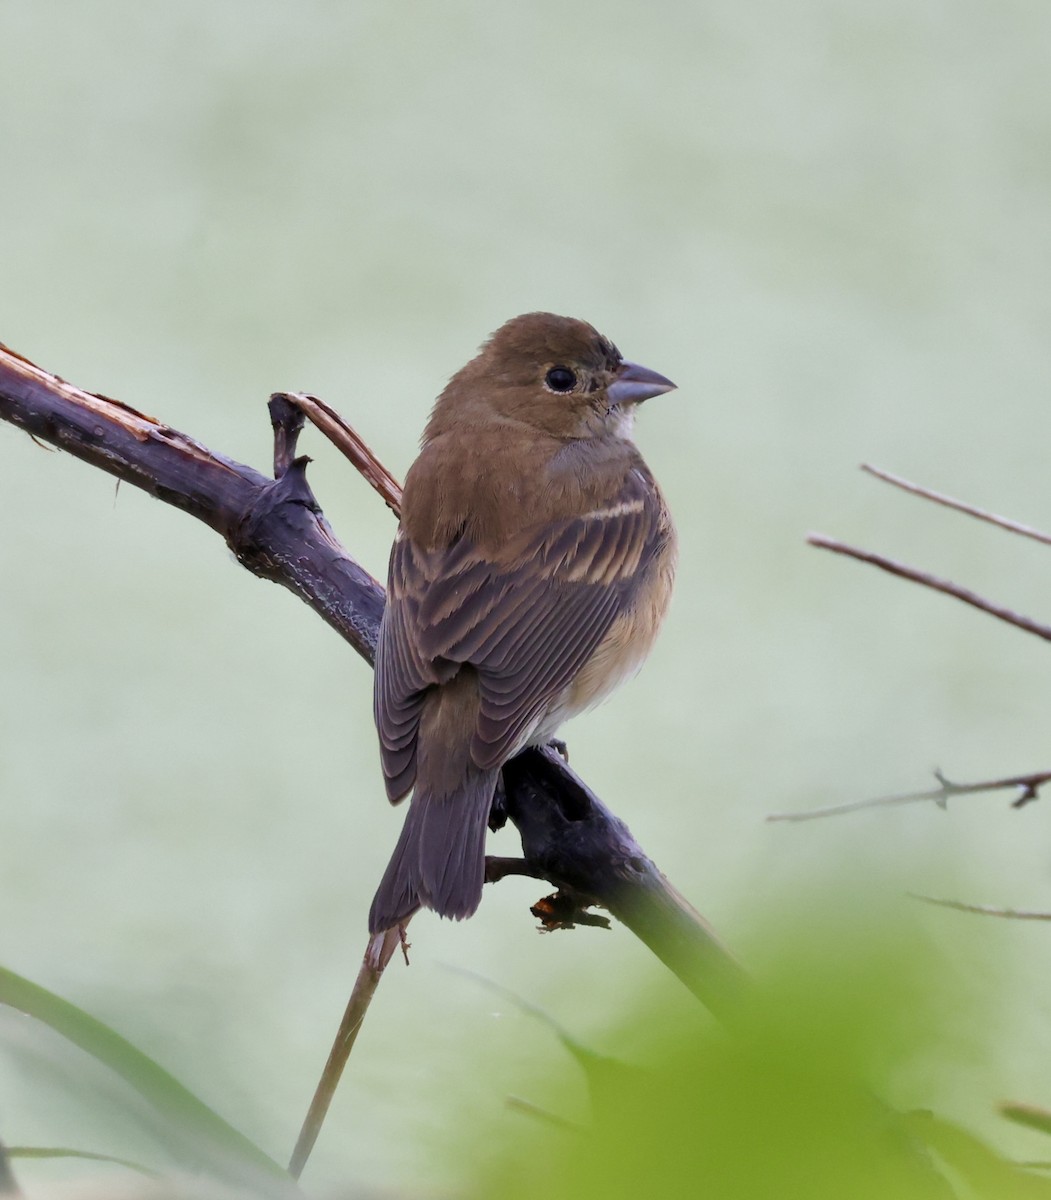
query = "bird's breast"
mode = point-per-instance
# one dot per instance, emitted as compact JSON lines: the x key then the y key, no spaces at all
{"x":625,"y":647}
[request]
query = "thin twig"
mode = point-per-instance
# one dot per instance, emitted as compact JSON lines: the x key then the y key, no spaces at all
{"x":53,"y":1152}
{"x":380,"y":949}
{"x":583,"y":1055}
{"x":959,"y":505}
{"x":518,"y":1104}
{"x":349,"y":442}
{"x":1027,"y":786}
{"x":932,"y":581}
{"x":985,"y":910}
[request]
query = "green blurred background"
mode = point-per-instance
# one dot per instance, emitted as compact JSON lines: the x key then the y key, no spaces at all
{"x":828,"y":222}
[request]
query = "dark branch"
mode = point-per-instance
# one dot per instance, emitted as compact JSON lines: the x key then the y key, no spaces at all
{"x":571,"y":838}
{"x":277,"y":530}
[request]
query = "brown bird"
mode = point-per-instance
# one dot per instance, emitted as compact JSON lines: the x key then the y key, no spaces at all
{"x":528,"y":578}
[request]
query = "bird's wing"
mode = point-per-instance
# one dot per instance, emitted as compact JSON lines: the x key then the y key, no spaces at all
{"x":527,"y":618}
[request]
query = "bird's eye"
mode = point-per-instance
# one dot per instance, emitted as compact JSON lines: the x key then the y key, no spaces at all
{"x":561,"y":379}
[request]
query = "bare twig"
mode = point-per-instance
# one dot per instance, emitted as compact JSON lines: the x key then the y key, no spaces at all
{"x":518,"y":1104}
{"x":1027,"y":787}
{"x":959,"y":505}
{"x":350,"y":443}
{"x":822,"y":542}
{"x":59,"y":1152}
{"x":583,"y":1055}
{"x":985,"y":910}
{"x":380,"y":949}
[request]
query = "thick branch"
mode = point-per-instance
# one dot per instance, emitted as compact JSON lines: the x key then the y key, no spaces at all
{"x":571,"y":838}
{"x":274,"y":526}
{"x":277,"y":530}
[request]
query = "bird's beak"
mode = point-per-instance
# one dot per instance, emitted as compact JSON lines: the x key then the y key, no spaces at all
{"x":634,"y":384}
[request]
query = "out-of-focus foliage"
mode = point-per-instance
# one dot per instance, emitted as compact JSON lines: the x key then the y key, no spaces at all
{"x":193,"y":1132}
{"x":816,"y":1090}
{"x":800,"y":1100}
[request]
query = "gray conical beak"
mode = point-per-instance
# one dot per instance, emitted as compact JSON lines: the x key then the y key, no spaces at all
{"x":635,"y":384}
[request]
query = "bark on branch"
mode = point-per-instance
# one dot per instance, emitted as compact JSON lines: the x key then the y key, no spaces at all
{"x":277,"y":530}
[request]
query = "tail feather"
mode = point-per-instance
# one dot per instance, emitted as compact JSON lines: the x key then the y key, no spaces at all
{"x":439,"y":861}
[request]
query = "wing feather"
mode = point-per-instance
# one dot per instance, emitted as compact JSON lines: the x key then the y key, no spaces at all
{"x":526,"y":617}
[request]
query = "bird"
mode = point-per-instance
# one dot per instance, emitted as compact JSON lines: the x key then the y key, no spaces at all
{"x":529,"y":576}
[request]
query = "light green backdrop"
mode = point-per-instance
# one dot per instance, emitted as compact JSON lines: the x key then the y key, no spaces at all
{"x":828,"y":222}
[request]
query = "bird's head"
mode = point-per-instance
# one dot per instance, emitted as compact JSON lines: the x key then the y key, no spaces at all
{"x":556,"y":374}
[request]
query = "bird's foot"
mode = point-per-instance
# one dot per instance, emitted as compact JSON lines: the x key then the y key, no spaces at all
{"x":560,"y":748}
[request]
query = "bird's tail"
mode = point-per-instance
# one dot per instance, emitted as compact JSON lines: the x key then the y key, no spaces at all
{"x":439,"y":861}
